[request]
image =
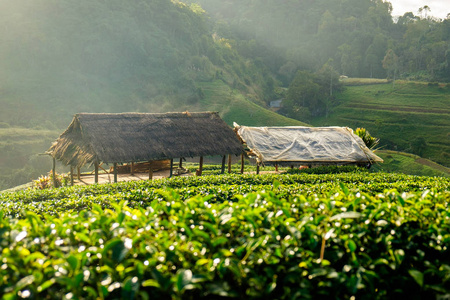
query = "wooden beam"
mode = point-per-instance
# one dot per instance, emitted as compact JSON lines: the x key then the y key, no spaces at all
{"x":96,"y":172}
{"x":200,"y":167}
{"x":78,"y":173}
{"x":150,"y":170}
{"x":54,"y":172}
{"x":223,"y":164}
{"x":115,"y":172}
{"x":229,"y":163}
{"x":242,"y":163}
{"x":171,"y":167}
{"x":257,"y":168}
{"x":181,"y":163}
{"x":71,"y":175}
{"x":132,"y":168}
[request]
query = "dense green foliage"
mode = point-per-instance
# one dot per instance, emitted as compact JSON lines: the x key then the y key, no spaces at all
{"x":355,"y":34}
{"x":311,"y":95}
{"x":370,"y":236}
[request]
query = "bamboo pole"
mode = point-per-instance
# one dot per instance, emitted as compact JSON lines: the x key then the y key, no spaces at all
{"x":96,"y":172}
{"x":71,"y":175}
{"x":229,"y":163}
{"x":181,"y":163}
{"x":78,"y":173}
{"x":276,"y":167}
{"x":150,"y":170}
{"x":132,"y":168}
{"x":54,"y":172}
{"x":171,"y":167}
{"x":115,"y":172}
{"x":242,"y":163}
{"x":223,"y":164}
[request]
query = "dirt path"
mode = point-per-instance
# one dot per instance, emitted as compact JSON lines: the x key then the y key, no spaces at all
{"x":399,"y":108}
{"x":109,"y":178}
{"x":433,"y":165}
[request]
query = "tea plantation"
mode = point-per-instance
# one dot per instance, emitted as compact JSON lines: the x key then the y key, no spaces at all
{"x":294,"y":236}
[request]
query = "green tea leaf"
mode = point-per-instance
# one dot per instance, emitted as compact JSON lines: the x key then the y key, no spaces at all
{"x":417,"y":276}
{"x":351,"y":245}
{"x":73,"y":262}
{"x":184,"y":279}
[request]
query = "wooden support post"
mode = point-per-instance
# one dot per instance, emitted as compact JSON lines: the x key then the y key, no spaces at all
{"x":223,"y":165}
{"x":71,"y":175}
{"x":54,"y":172}
{"x":276,"y":167}
{"x":171,"y":167}
{"x":181,"y":163}
{"x":200,"y":167}
{"x":257,"y":168}
{"x":229,"y":163}
{"x":96,"y":172}
{"x":150,"y":170}
{"x":115,"y":172}
{"x":242,"y":163}
{"x":78,"y":173}
{"x":132,"y":168}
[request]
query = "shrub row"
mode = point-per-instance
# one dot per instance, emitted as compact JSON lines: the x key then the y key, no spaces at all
{"x":220,"y":188}
{"x":259,"y":246}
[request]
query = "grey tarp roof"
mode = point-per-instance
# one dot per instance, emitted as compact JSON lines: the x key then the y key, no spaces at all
{"x":312,"y":145}
{"x":126,"y":137}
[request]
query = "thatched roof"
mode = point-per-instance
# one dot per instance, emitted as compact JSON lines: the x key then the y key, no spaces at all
{"x":127,"y":137}
{"x":306,"y":145}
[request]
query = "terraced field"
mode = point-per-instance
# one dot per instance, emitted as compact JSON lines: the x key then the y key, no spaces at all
{"x":410,"y":117}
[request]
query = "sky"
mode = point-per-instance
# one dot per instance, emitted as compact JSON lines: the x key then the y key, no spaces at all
{"x":439,"y":8}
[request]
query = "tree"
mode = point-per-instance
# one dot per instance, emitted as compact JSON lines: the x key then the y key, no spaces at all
{"x":390,"y":63}
{"x":374,"y":55}
{"x":304,"y":96}
{"x":423,"y":11}
{"x":327,"y":76}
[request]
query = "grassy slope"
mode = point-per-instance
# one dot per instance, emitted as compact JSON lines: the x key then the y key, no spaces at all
{"x":234,"y":107}
{"x":399,"y":162}
{"x":398,"y":115}
{"x":19,"y":154}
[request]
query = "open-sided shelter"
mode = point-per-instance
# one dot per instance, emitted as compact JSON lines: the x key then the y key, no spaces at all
{"x":113,"y":138}
{"x":306,"y":145}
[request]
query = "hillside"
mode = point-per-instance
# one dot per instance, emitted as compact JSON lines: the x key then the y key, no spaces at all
{"x":60,"y":58}
{"x":412,"y":117}
{"x":406,"y":163}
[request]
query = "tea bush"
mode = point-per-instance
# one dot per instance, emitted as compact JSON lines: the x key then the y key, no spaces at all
{"x":334,"y":236}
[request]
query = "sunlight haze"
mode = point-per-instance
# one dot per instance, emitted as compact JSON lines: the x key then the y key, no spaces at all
{"x":438,"y":8}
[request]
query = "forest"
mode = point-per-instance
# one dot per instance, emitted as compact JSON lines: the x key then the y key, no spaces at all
{"x":357,"y":38}
{"x":58,"y":58}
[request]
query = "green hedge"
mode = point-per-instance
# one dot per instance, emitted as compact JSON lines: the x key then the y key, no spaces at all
{"x":172,"y":240}
{"x":221,"y":188}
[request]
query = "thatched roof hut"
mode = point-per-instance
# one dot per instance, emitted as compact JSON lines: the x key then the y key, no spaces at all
{"x":306,"y":145}
{"x":133,"y":137}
